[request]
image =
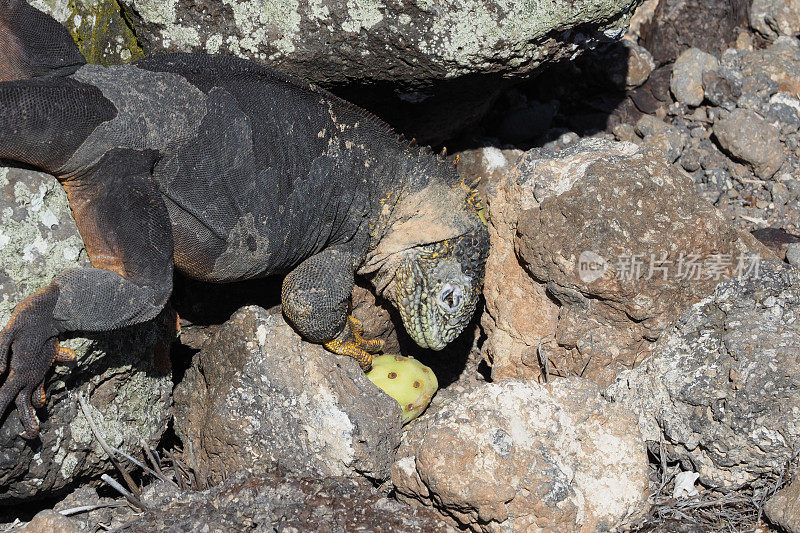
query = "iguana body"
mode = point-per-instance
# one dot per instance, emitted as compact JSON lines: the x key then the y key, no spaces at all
{"x":226,"y":170}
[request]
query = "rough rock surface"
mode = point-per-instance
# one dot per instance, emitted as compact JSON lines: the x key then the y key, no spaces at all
{"x":98,"y":27}
{"x":375,"y":41}
{"x":748,"y":137}
{"x":635,"y":220}
{"x":687,"y":75}
{"x":258,"y":397}
{"x":50,"y":522}
{"x":780,"y":62}
{"x":783,"y":509}
{"x":526,"y":457}
{"x":680,"y":24}
{"x":518,"y":313}
{"x":281,"y":503}
{"x":722,"y":387}
{"x":127,"y":372}
{"x":428,"y":67}
{"x":772,"y":18}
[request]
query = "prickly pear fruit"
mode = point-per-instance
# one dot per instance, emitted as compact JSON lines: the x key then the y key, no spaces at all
{"x":406,"y":380}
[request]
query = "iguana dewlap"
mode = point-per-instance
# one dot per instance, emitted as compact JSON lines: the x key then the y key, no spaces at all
{"x":226,"y":170}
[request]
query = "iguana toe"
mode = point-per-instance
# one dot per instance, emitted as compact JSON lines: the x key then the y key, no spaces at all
{"x":351,"y":348}
{"x":353,"y":344}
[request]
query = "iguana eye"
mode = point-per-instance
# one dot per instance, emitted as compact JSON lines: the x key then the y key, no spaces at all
{"x":450,"y":297}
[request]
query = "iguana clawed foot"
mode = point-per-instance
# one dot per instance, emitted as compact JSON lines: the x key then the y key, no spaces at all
{"x":353,"y":344}
{"x":30,"y":340}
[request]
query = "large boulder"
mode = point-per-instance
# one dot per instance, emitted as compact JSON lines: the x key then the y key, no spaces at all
{"x":611,"y":245}
{"x":519,"y":456}
{"x":127,"y":373}
{"x":258,"y":397}
{"x":721,"y":390}
{"x":427,"y":67}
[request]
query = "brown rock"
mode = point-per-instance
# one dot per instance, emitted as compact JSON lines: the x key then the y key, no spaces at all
{"x":518,"y":314}
{"x":520,"y":456}
{"x":783,"y":509}
{"x":375,"y":316}
{"x":680,"y":24}
{"x":50,"y":522}
{"x":748,"y":137}
{"x":623,"y":243}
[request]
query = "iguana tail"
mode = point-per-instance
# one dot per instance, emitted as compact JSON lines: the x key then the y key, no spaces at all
{"x":33,"y":44}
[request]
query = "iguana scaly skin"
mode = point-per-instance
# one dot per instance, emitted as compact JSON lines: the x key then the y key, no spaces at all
{"x":226,"y":170}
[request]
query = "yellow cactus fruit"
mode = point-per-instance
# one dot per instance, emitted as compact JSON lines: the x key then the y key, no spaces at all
{"x":406,"y":380}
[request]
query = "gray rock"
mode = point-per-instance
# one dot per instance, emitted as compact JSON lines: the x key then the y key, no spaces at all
{"x":285,"y":503}
{"x":747,"y":136}
{"x":686,"y":83}
{"x":772,"y":18}
{"x":438,"y":62}
{"x":259,"y":397}
{"x":521,"y":456}
{"x":127,"y":373}
{"x":721,"y":388}
{"x":793,"y":253}
{"x":662,"y":137}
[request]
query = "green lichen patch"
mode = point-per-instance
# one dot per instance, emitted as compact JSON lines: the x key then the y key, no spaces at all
{"x":102,"y":33}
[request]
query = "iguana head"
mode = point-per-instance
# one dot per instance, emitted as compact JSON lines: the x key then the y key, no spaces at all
{"x":437,"y":286}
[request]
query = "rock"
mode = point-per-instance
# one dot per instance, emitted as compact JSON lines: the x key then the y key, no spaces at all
{"x":772,"y":18}
{"x":427,"y":67}
{"x":520,"y":456}
{"x":748,"y":137}
{"x":793,"y":254}
{"x":640,"y":65}
{"x":687,"y":75}
{"x":50,"y":522}
{"x":127,"y":373}
{"x":783,"y":509}
{"x":286,"y":503}
{"x":781,"y":62}
{"x":623,"y":65}
{"x":622,"y":245}
{"x":98,"y":28}
{"x":662,"y":137}
{"x":518,"y":314}
{"x":709,"y":25}
{"x":721,"y":388}
{"x":259,"y":397}
{"x":376,"y":317}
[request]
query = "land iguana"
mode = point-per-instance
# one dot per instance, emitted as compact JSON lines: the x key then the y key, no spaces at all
{"x":226,"y":170}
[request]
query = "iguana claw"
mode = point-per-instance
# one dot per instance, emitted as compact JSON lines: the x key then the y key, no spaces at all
{"x":30,"y":340}
{"x":353,"y":344}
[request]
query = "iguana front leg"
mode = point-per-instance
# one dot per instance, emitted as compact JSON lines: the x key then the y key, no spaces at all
{"x":315,"y":299}
{"x":126,"y":230}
